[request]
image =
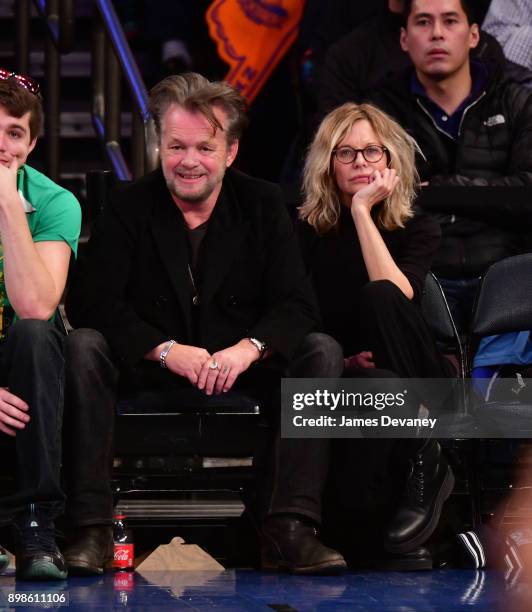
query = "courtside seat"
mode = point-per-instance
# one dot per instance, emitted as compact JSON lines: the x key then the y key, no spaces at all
{"x":504,"y":304}
{"x":180,"y":455}
{"x":198,"y":423}
{"x":460,"y":452}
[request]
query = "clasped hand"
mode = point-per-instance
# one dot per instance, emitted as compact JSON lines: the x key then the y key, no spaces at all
{"x":196,"y":363}
{"x":362,"y":360}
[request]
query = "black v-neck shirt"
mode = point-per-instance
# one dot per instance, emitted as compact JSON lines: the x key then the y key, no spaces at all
{"x":195,"y":240}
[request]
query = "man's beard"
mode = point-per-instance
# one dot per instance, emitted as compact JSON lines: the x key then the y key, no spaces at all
{"x":193,"y":197}
{"x":190,"y":197}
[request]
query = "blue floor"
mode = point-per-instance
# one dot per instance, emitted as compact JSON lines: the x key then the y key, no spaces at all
{"x":233,"y":590}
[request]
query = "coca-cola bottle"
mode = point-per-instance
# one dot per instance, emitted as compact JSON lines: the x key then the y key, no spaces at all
{"x":124,"y":553}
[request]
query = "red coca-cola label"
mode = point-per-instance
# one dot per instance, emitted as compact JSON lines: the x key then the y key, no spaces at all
{"x":124,"y":556}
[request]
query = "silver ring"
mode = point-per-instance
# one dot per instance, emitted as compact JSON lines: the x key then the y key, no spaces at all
{"x":213,"y":365}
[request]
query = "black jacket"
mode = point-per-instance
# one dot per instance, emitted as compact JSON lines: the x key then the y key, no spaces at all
{"x":493,"y":148}
{"x":133,"y":285}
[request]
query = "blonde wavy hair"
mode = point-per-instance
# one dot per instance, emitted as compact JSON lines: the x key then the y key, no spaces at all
{"x":322,"y":206}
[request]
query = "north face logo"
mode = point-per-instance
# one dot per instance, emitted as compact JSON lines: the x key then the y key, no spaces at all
{"x":495,"y":120}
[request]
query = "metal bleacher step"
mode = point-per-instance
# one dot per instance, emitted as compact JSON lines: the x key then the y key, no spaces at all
{"x":226,"y":462}
{"x":154,"y":509}
{"x":7,"y":9}
{"x":78,"y":124}
{"x":73,"y":64}
{"x":170,"y":463}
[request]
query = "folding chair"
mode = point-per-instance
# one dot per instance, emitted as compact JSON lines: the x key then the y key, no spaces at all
{"x":504,"y":304}
{"x":438,"y":316}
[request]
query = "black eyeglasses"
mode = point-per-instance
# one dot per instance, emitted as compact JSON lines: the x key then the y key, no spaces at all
{"x":23,"y":80}
{"x":372,"y":154}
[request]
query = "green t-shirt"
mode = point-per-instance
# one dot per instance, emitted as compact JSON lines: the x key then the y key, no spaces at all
{"x":52,"y":213}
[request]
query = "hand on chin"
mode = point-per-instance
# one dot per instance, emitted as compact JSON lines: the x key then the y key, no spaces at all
{"x":381,"y":185}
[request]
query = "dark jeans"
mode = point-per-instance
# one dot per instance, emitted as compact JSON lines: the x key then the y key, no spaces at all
{"x":90,"y":402}
{"x":32,"y":367}
{"x":92,"y":381}
{"x":398,"y":336}
{"x":299,"y":465}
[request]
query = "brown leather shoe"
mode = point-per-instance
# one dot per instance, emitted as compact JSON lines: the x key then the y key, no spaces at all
{"x":88,"y":549}
{"x":291,"y":544}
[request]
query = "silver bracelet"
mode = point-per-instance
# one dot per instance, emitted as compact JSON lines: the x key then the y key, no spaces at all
{"x":164,"y":353}
{"x":259,"y":345}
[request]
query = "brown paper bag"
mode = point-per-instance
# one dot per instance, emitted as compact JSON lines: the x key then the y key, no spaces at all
{"x":179,"y":556}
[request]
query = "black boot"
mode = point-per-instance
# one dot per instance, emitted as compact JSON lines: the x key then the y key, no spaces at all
{"x":88,"y":549}
{"x":290,"y":543}
{"x":416,"y":560}
{"x":429,"y":484}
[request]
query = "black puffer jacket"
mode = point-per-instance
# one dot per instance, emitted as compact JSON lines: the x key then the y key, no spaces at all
{"x":493,"y":148}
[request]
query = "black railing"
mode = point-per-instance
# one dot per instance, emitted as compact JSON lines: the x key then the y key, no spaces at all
{"x":112,"y":58}
{"x":58,"y":16}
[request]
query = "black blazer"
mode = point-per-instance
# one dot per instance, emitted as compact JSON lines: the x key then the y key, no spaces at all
{"x":133,"y":284}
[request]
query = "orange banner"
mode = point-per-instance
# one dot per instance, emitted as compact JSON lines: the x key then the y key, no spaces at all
{"x":252,"y":36}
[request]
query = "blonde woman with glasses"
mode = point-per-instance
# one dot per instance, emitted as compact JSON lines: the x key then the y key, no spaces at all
{"x":368,"y":251}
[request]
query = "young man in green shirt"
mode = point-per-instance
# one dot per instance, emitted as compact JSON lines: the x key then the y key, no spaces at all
{"x":39,"y":229}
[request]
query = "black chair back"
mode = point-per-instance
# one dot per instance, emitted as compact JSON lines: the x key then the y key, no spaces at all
{"x":504,"y":302}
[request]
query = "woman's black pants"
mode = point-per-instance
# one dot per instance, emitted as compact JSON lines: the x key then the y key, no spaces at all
{"x":401,"y":342}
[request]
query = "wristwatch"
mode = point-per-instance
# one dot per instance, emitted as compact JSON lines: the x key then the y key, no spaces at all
{"x":259,"y":345}
{"x":163,"y":354}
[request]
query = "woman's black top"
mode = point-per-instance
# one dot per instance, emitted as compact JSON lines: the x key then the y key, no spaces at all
{"x":337,"y":267}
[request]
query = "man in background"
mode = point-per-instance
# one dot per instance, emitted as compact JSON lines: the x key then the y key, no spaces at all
{"x":473,"y":125}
